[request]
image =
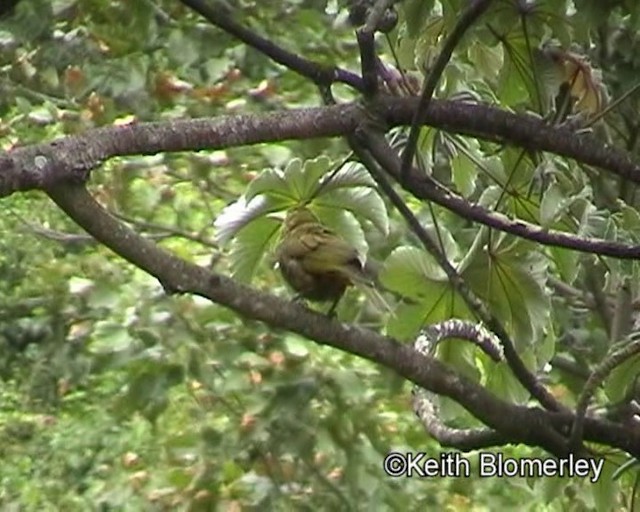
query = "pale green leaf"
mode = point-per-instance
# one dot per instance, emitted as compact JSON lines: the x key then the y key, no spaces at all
{"x":412,"y":273}
{"x":250,"y":245}
{"x":511,"y":276}
{"x":464,"y":171}
{"x":269,"y":181}
{"x":240,"y":213}
{"x":364,"y":203}
{"x":605,"y":489}
{"x":501,"y":380}
{"x":302,"y":178}
{"x":552,"y":205}
{"x":351,"y":174}
{"x":276,"y":154}
{"x":344,"y":224}
{"x":416,"y":13}
{"x":621,"y":378}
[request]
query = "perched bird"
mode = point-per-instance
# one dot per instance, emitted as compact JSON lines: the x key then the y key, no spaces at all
{"x":317,"y":263}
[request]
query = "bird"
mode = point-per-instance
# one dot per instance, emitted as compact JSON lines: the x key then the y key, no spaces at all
{"x":319,"y":264}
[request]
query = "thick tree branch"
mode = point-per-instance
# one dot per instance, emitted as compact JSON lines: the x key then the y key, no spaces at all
{"x":531,"y":426}
{"x":75,"y":155}
{"x":42,"y":165}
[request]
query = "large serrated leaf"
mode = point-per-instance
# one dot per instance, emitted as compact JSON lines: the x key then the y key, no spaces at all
{"x":250,"y":245}
{"x":413,"y":274}
{"x":464,"y":171}
{"x":364,"y":203}
{"x":515,"y":81}
{"x":409,"y":271}
{"x":237,"y":215}
{"x":344,"y":224}
{"x":351,"y":174}
{"x":303,"y":179}
{"x":269,"y":181}
{"x":511,"y":276}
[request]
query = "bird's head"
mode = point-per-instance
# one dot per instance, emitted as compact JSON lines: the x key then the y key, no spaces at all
{"x":297,"y":217}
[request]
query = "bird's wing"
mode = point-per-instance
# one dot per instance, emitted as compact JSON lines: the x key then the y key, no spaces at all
{"x":329,"y":252}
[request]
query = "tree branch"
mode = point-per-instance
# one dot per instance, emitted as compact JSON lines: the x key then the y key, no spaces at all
{"x":473,"y":12}
{"x":77,"y":154}
{"x":320,"y":74}
{"x":531,"y":426}
{"x":597,"y":377}
{"x":383,"y":155}
{"x":72,"y":158}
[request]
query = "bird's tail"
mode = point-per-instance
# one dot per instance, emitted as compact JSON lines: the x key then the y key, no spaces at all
{"x":374,"y":296}
{"x":365,"y":278}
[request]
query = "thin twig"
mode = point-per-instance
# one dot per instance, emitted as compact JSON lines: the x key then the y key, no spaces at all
{"x":378,"y":153}
{"x":473,"y":12}
{"x":596,"y":378}
{"x":318,"y":73}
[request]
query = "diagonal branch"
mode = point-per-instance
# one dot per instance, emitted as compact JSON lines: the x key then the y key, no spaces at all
{"x":472,"y":13}
{"x":378,"y":150}
{"x":320,"y":74}
{"x":531,"y":426}
{"x":597,"y":377}
{"x":427,"y":188}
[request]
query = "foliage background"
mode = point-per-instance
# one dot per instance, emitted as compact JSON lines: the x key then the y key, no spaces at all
{"x":115,"y":396}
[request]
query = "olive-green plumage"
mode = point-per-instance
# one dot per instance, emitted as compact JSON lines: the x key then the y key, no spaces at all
{"x":315,"y":261}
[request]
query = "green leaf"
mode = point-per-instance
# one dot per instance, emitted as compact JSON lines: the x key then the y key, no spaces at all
{"x":269,"y":181}
{"x":296,"y":346}
{"x":550,"y":487}
{"x":412,"y":273}
{"x":464,"y":172}
{"x":415,"y":14}
{"x":511,"y":276}
{"x":621,"y":379}
{"x":302,"y":180}
{"x":344,"y":223}
{"x":276,"y":154}
{"x":351,"y":174}
{"x":552,"y":205}
{"x":250,"y":245}
{"x":364,"y":203}
{"x":605,"y":489}
{"x":567,"y":263}
{"x":486,"y":58}
{"x":501,"y":380}
{"x":239,"y":214}
{"x":109,"y":337}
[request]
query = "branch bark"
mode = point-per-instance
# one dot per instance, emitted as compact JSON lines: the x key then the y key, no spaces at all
{"x":72,"y":158}
{"x":532,"y":426}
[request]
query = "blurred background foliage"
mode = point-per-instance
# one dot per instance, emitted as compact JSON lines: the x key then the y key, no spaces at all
{"x":116,"y":397}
